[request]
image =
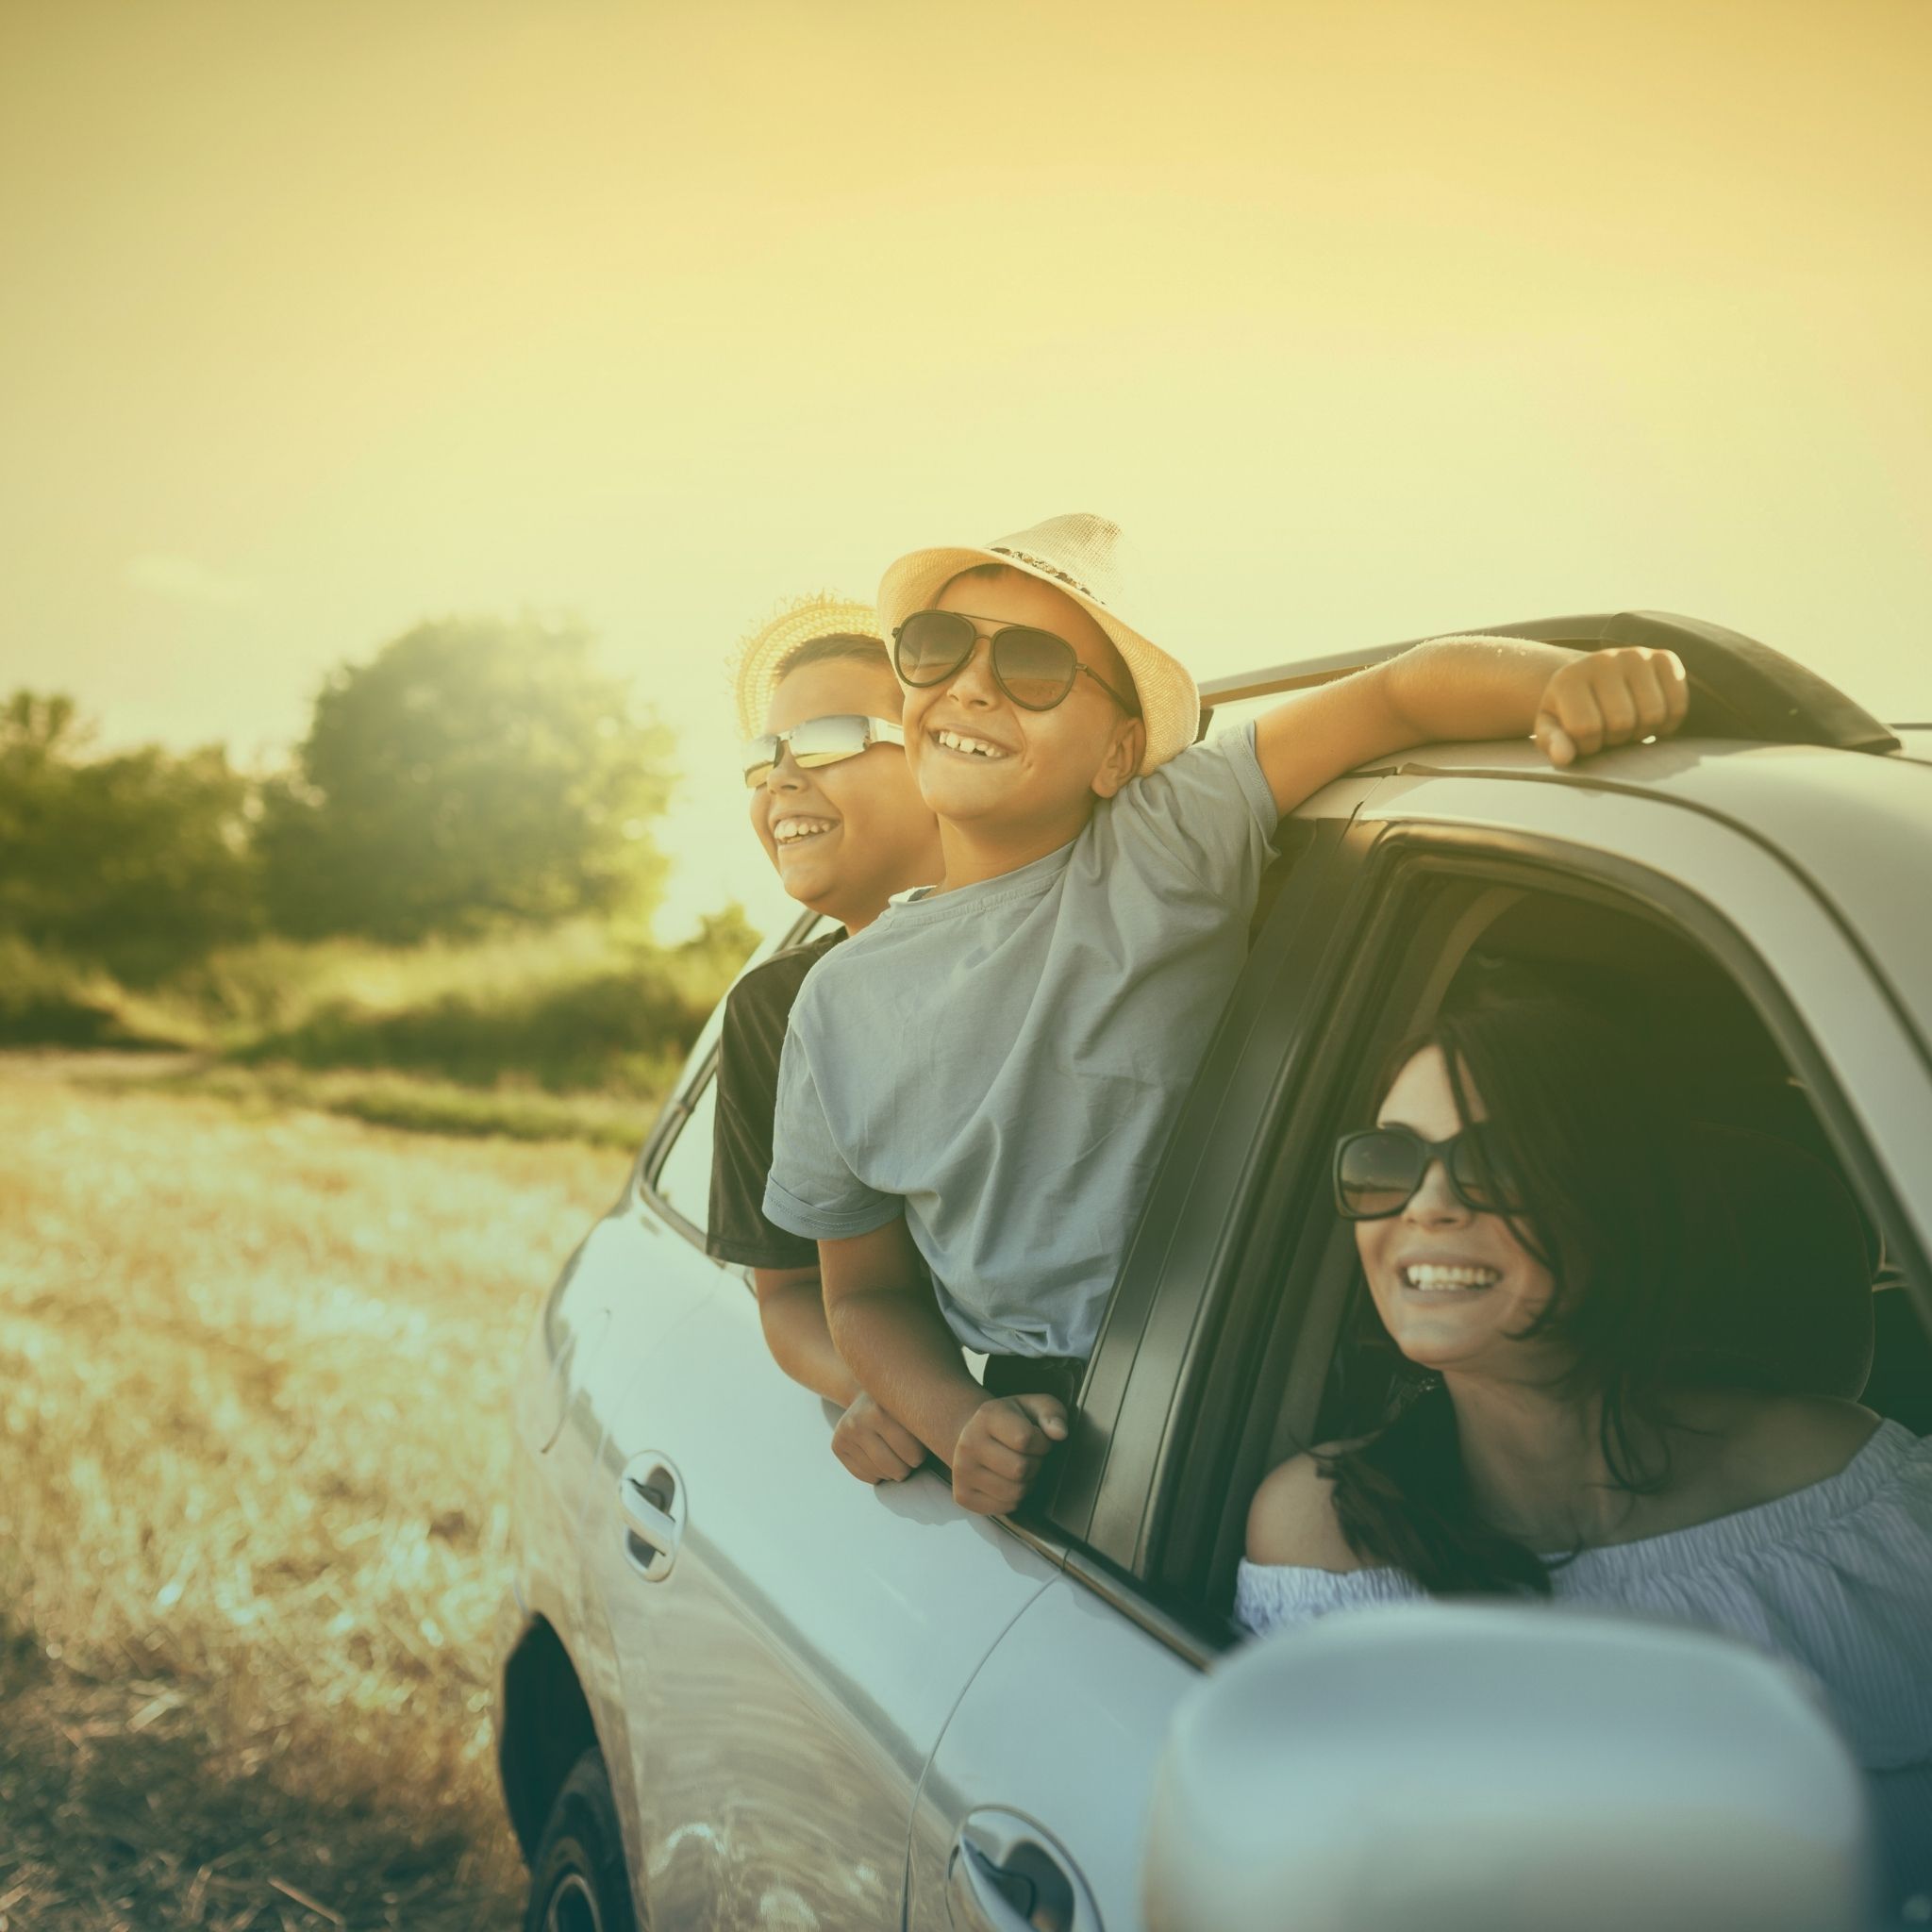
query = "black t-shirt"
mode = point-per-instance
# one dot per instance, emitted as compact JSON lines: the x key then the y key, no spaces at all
{"x":756,"y":1010}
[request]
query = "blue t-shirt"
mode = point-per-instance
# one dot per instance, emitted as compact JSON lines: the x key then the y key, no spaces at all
{"x":1003,"y":1062}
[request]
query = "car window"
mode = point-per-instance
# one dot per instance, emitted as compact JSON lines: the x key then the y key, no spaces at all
{"x":1292,"y":1366}
{"x":683,"y":1181}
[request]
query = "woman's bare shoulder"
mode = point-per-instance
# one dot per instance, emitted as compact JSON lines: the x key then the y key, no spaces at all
{"x":1292,"y":1520}
{"x":1809,"y":1437}
{"x":1773,"y":1445}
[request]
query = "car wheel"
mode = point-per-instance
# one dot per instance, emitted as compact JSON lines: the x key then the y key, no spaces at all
{"x":577,"y":1879}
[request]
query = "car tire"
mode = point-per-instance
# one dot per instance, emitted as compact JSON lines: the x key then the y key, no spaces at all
{"x":579,"y":1882}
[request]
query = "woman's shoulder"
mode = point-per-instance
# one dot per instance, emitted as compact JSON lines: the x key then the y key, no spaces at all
{"x":1291,"y":1519}
{"x":1768,"y":1446}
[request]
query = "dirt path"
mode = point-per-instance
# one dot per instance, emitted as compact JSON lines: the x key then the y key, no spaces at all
{"x":253,"y":1451}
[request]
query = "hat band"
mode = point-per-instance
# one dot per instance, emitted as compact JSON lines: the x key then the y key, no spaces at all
{"x":1039,"y":563}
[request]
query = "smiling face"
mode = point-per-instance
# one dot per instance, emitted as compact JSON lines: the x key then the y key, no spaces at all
{"x":985,"y":762}
{"x":844,"y":837}
{"x":1453,"y":1286}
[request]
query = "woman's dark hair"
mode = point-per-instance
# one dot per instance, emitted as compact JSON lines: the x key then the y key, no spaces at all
{"x":1577,"y":1112}
{"x":855,"y":644}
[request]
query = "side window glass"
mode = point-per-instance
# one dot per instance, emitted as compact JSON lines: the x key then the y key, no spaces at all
{"x":683,"y":1175}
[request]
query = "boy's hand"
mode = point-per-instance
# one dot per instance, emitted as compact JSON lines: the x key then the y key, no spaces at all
{"x":1610,"y":697}
{"x":872,"y":1446}
{"x":1000,"y":1448}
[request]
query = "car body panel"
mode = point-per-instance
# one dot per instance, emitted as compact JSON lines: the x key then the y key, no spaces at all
{"x":784,"y":1685}
{"x":1063,"y":1725}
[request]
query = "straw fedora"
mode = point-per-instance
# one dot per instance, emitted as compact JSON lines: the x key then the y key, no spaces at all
{"x":758,"y":661}
{"x":1081,"y":555}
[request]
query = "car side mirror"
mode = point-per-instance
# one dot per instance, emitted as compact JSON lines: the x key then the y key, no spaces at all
{"x":1504,"y":1768}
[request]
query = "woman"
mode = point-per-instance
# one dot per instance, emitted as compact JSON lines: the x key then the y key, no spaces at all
{"x":1514,"y":1216}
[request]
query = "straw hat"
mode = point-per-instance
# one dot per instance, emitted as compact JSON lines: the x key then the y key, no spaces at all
{"x":760,"y":658}
{"x":1081,"y":555}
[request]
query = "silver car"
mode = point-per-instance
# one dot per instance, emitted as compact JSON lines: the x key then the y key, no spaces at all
{"x":740,"y":1688}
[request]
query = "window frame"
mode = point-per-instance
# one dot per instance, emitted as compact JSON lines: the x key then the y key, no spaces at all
{"x":1484,"y":860}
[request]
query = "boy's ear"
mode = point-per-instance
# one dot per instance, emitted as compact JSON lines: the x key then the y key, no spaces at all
{"x":1125,"y":751}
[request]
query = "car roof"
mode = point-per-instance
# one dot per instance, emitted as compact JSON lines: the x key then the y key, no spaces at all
{"x":1858,"y":825}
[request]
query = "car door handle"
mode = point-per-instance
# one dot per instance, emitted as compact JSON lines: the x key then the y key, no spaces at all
{"x":650,"y":1502}
{"x":1007,"y":1875}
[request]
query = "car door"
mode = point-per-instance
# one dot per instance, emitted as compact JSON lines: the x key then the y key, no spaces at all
{"x":1033,"y":1810}
{"x":788,"y":1640}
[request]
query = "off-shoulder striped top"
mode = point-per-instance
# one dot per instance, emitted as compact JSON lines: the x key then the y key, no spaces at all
{"x":1836,"y":1577}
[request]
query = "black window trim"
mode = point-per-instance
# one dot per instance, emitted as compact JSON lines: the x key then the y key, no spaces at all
{"x":1259,"y":1047}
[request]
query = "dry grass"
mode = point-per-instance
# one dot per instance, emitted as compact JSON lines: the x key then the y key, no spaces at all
{"x":253,"y":1451}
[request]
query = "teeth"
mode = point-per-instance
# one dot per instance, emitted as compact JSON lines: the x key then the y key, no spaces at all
{"x":955,"y":740}
{"x":788,"y":831}
{"x":1428,"y":1275}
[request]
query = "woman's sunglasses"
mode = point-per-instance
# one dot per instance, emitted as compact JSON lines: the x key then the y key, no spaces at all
{"x":817,"y":741}
{"x":1033,"y":667}
{"x":1378,"y":1170}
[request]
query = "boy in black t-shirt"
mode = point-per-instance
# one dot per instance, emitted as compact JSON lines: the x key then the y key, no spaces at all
{"x":838,"y":815}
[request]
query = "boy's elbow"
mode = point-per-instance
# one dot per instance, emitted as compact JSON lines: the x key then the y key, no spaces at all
{"x":1409,"y":690}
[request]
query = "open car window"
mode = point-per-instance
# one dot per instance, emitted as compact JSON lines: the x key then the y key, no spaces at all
{"x":1292,"y":1364}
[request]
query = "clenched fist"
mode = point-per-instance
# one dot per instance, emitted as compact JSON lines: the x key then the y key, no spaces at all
{"x":1000,"y":1448}
{"x":1610,"y":697}
{"x":872,"y":1446}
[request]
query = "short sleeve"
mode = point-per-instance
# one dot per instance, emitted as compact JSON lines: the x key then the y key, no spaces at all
{"x":1273,"y":1596}
{"x":748,"y":1051}
{"x":1204,"y":820}
{"x":812,"y":1189}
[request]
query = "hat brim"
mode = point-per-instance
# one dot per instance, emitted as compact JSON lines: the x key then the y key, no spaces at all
{"x":760,"y":660}
{"x":1170,"y":699}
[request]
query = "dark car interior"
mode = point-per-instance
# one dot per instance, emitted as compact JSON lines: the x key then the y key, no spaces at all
{"x":1797,"y":1293}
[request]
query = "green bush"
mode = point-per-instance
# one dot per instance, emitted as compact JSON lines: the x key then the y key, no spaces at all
{"x":47,"y":1001}
{"x":570,"y":1010}
{"x":474,"y":772}
{"x":139,"y":862}
{"x":617,"y":1031}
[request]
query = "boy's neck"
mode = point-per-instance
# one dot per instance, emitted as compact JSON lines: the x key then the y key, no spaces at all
{"x":975,"y":851}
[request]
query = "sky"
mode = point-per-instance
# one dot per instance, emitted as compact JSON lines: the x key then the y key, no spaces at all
{"x":1364,"y":318}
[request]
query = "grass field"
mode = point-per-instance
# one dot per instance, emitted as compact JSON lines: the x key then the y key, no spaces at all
{"x":253,"y":1451}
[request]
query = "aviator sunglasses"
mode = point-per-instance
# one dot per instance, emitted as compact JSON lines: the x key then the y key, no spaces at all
{"x":817,"y":741}
{"x":1034,"y":668}
{"x":1378,"y":1170}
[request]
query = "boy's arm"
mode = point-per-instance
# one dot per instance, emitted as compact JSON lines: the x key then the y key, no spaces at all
{"x":889,"y":1329}
{"x":1574,"y":703}
{"x":792,"y":1311}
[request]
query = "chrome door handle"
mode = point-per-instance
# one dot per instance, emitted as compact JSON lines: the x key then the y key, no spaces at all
{"x":650,"y":1502}
{"x":1007,"y":1875}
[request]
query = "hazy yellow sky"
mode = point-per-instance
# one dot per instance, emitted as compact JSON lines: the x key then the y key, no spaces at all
{"x":1365,"y":317}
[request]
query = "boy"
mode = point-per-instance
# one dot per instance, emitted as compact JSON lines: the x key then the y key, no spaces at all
{"x":1047,"y":1004}
{"x":834,"y":804}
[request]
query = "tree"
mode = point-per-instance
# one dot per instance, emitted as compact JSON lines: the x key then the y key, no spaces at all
{"x":139,"y":861}
{"x":473,"y":772}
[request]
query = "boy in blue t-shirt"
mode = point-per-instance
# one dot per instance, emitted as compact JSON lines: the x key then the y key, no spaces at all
{"x":982,"y":1080}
